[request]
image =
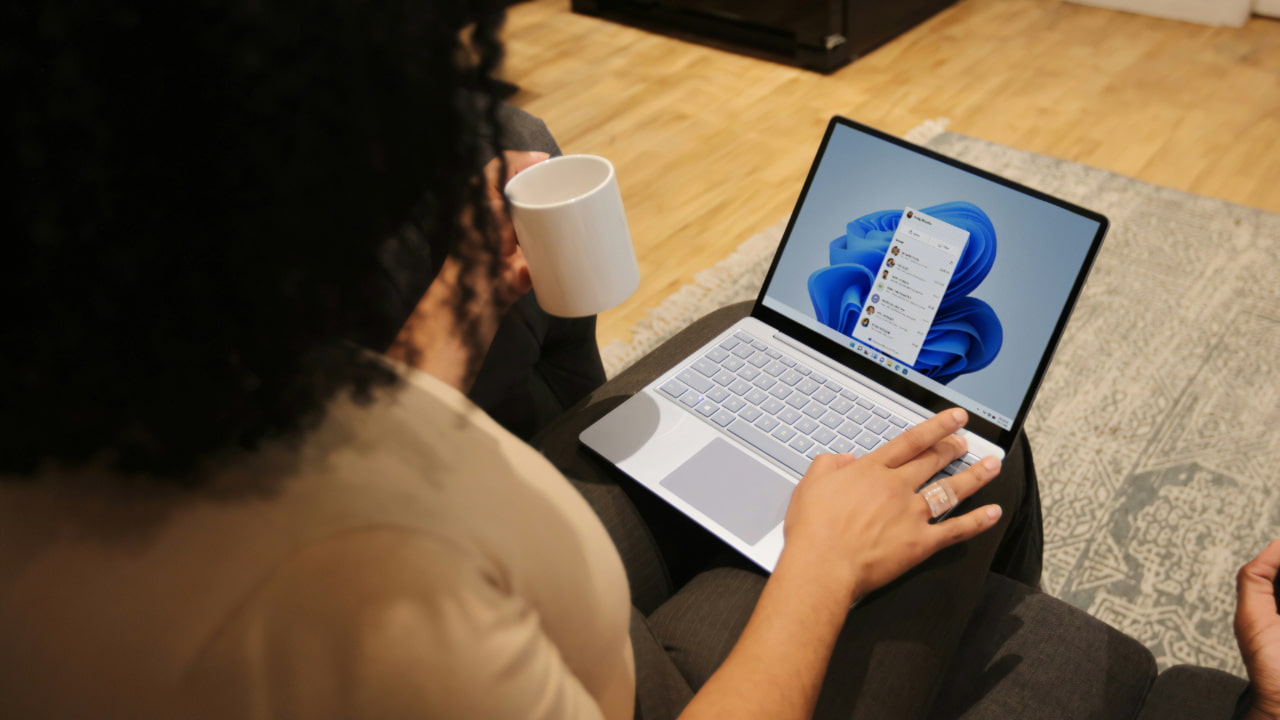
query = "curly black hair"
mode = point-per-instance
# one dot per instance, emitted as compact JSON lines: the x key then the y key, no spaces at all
{"x":201,"y":198}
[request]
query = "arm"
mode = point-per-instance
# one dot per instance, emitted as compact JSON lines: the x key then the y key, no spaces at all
{"x":853,"y":525}
{"x":1257,"y":629}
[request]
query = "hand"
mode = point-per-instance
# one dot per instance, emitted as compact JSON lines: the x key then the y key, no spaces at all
{"x":859,"y":523}
{"x":515,"y":269}
{"x":1258,"y":629}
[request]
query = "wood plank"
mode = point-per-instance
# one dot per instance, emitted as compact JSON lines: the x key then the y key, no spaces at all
{"x":712,"y":147}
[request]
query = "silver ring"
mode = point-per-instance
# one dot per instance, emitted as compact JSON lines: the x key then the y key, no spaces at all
{"x":940,"y":496}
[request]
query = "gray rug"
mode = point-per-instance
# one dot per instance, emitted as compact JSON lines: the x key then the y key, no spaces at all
{"x":1154,"y":429}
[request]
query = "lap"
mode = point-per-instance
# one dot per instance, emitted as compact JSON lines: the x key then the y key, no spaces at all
{"x":897,"y":643}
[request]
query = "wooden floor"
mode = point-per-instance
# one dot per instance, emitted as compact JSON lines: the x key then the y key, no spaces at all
{"x":711,"y":147}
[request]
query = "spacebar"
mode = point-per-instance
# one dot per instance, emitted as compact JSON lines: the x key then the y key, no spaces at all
{"x":752,"y":436}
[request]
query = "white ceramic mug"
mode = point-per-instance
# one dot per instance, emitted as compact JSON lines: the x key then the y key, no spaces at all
{"x":568,"y":218}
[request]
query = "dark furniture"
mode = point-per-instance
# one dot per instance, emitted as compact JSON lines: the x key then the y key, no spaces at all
{"x":821,"y":35}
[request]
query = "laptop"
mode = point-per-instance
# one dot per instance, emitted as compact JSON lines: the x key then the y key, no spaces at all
{"x":906,"y":282}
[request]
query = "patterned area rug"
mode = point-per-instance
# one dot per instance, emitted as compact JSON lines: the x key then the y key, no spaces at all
{"x":1154,"y":430}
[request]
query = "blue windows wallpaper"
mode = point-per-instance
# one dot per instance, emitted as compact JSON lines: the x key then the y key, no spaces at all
{"x":965,"y":335}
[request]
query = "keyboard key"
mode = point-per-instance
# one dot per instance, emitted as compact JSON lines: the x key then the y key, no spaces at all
{"x":743,"y":336}
{"x":867,"y":440}
{"x":841,"y":445}
{"x":803,"y":369}
{"x":814,"y":410}
{"x":791,"y":377}
{"x":694,"y":380}
{"x":734,"y":404}
{"x":675,"y":388}
{"x":749,"y":373}
{"x":743,"y":351}
{"x":797,"y":401}
{"x":767,"y":445}
{"x":891,"y":433}
{"x":849,"y":430}
{"x":706,"y":367}
{"x":848,"y":395}
{"x":707,"y":408}
{"x":739,"y":386}
{"x":723,"y":418}
{"x":881,"y":412}
{"x":774,"y":369}
{"x":772,"y":406}
{"x":806,"y":425}
{"x":780,"y":391}
{"x":831,"y":420}
{"x":749,"y":413}
{"x":807,"y":386}
{"x":691,"y":398}
{"x":718,"y":394}
{"x":789,"y":415}
{"x":895,"y":420}
{"x":764,"y":382}
{"x":859,"y":416}
{"x":783,"y":433}
{"x":876,"y":425}
{"x":766,"y":423}
{"x":717,"y":355}
{"x":787,"y":361}
{"x":759,"y":345}
{"x":959,"y":466}
{"x":773,"y":353}
{"x":820,"y":379}
{"x":730,"y":343}
{"x":732,"y":364}
{"x":865,"y":403}
{"x":814,"y":451}
{"x":823,"y":436}
{"x":755,"y":396}
{"x":724,"y":377}
{"x":824,"y":396}
{"x":758,"y":360}
{"x":800,"y":443}
{"x":835,"y":387}
{"x":842,"y":405}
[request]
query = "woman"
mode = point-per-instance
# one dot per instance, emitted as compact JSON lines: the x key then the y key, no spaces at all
{"x":215,"y":504}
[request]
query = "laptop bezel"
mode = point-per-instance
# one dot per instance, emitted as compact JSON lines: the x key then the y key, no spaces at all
{"x":857,"y":363}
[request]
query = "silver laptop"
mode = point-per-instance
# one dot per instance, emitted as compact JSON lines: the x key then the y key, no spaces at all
{"x":906,"y":282}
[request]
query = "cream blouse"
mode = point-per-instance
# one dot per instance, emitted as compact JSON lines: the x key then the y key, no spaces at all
{"x":410,"y":559}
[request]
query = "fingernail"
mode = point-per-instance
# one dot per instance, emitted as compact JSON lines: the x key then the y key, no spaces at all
{"x":991,"y":464}
{"x":958,"y":416}
{"x":994,"y":512}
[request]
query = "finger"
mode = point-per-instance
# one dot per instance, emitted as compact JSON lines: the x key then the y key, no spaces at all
{"x":519,"y":161}
{"x":825,"y":463}
{"x":1255,"y":592}
{"x":844,"y":459}
{"x":920,"y":438}
{"x":920,"y":468}
{"x":966,"y":483}
{"x":964,"y":527}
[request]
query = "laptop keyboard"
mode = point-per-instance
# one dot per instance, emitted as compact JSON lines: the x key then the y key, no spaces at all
{"x":779,"y":405}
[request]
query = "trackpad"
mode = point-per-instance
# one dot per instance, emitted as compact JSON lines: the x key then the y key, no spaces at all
{"x":732,"y":488}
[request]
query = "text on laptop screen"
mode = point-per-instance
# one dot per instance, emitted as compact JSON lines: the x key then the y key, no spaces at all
{"x":952,"y":281}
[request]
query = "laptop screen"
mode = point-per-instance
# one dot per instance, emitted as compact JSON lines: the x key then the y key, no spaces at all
{"x":952,"y":281}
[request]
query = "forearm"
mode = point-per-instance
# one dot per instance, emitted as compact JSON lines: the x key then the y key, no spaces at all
{"x":776,"y":669}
